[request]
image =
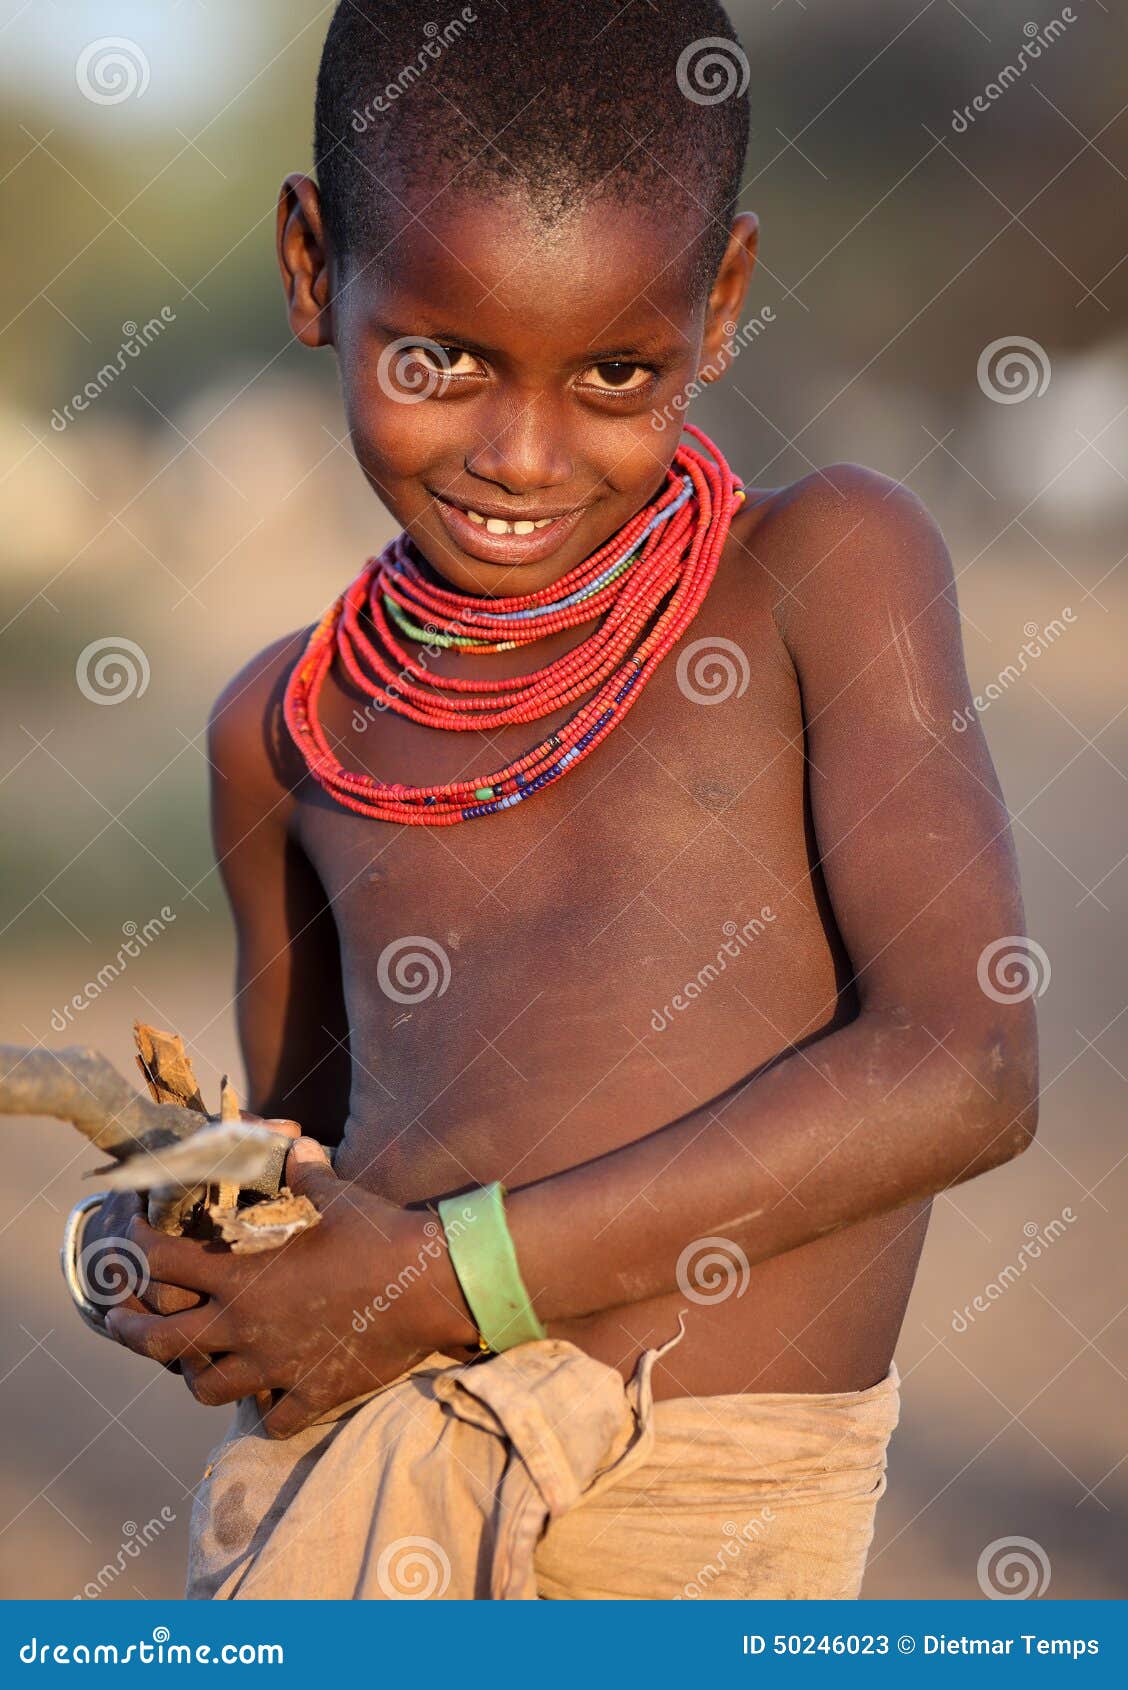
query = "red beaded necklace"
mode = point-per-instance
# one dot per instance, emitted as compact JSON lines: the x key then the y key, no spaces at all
{"x":646,"y":584}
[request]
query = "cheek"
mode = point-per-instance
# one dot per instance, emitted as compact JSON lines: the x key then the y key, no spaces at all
{"x":394,"y":437}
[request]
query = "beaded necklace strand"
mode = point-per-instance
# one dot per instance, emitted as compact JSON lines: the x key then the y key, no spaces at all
{"x":645,"y":584}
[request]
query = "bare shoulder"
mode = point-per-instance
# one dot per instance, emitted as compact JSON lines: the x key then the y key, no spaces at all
{"x":845,"y":539}
{"x":248,"y":744}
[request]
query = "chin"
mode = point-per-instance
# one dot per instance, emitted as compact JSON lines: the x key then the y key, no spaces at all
{"x":466,"y":574}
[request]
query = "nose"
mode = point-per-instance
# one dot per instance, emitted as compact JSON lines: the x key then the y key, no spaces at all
{"x":522,"y":446}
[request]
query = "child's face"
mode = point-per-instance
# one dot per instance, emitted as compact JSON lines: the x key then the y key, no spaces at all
{"x":495,"y":368}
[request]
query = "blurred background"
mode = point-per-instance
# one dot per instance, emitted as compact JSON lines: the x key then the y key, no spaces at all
{"x":946,"y":285}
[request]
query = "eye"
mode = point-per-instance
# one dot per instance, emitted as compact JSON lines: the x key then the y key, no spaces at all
{"x":617,"y":377}
{"x":445,"y":360}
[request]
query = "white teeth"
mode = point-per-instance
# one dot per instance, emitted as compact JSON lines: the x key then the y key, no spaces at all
{"x":496,"y":525}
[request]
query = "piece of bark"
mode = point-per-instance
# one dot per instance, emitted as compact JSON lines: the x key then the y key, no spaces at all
{"x":264,"y":1226}
{"x":81,"y":1086}
{"x":167,"y":1067}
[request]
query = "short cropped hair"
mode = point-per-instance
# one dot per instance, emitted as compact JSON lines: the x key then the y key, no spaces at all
{"x":572,"y":99}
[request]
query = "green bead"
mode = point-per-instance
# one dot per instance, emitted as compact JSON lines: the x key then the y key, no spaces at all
{"x":483,"y":792}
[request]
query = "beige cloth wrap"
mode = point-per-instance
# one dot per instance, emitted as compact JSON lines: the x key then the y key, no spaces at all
{"x":538,"y":1473}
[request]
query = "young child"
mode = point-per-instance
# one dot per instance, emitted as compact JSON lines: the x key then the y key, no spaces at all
{"x":608,"y":840}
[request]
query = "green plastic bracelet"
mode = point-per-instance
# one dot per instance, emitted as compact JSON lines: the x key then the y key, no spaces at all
{"x":485,"y":1262}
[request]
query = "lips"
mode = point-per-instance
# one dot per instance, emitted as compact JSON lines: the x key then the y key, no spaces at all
{"x":522,"y":539}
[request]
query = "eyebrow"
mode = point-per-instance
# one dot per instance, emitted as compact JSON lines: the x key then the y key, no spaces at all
{"x":618,"y":353}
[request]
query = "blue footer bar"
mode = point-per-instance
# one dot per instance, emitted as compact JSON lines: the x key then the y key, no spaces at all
{"x":540,"y":1645}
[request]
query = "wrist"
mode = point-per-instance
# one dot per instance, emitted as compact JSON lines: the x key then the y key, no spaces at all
{"x":440,"y":1316}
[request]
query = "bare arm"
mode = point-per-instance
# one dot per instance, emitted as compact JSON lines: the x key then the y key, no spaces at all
{"x":935,"y":1081}
{"x":293,"y":1029}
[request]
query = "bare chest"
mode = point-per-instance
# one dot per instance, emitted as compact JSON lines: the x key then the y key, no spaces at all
{"x":572,"y":973}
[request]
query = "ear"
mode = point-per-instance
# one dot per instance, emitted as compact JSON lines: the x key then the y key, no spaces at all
{"x":726,"y":298}
{"x":303,"y":259}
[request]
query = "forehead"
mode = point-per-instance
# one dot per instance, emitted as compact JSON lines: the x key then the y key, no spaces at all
{"x":504,"y":270}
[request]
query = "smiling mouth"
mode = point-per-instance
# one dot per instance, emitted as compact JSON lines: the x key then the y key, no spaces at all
{"x":492,"y":538}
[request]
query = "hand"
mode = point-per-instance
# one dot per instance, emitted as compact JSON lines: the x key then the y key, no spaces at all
{"x":313,"y":1319}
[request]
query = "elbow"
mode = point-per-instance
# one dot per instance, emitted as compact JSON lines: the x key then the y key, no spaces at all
{"x":998,"y":1103}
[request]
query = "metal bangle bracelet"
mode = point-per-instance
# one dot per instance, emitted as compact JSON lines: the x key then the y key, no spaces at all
{"x":71,"y":1249}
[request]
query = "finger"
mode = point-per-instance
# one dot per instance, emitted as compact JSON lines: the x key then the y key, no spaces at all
{"x":177,"y":1261}
{"x":197,"y":1333}
{"x":309,"y":1172}
{"x":226,"y":1380}
{"x":158,"y":1298}
{"x":276,"y":1123}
